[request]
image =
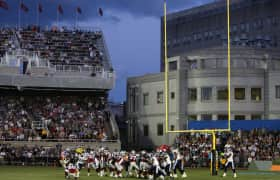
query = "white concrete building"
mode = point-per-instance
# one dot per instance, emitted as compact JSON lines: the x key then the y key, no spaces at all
{"x":198,"y":91}
{"x":197,"y":50}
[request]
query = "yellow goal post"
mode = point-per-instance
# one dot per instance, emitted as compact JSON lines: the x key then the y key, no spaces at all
{"x":166,"y":80}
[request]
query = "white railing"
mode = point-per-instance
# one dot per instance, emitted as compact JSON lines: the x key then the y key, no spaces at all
{"x":59,"y":27}
{"x":98,"y":70}
{"x":77,"y":68}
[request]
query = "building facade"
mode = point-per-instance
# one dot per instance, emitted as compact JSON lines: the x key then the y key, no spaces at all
{"x":198,"y":91}
{"x":254,"y":23}
{"x":197,"y":51}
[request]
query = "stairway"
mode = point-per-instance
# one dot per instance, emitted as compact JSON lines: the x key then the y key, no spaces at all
{"x":111,"y":126}
{"x":2,"y":114}
{"x":15,"y":39}
{"x":108,"y":129}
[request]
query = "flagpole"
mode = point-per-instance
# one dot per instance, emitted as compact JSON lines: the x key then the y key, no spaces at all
{"x":57,"y":17}
{"x":19,"y":14}
{"x":76,"y":18}
{"x":38,"y":14}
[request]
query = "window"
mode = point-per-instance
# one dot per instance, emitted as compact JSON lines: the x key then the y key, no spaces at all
{"x":222,"y":93}
{"x":172,"y":127}
{"x":160,"y":97}
{"x":133,"y":99}
{"x":194,"y":36}
{"x":173,"y":66}
{"x":146,"y":99}
{"x":192,"y":94}
{"x":234,"y":28}
{"x":239,"y":117}
{"x":274,"y":21}
{"x":172,"y":95}
{"x":202,"y":64}
{"x":242,"y":26}
{"x":277,"y":92}
{"x":255,"y":24}
{"x":146,"y":130}
{"x":217,"y":33}
{"x":247,"y":27}
{"x":168,"y":42}
{"x":239,"y":93}
{"x":133,"y":131}
{"x":256,"y":117}
{"x":184,"y":39}
{"x":174,"y":42}
{"x":260,"y":23}
{"x":206,"y":117}
{"x":206,"y":35}
{"x":210,"y":35}
{"x":222,"y":117}
{"x":193,"y":64}
{"x":192,"y":117}
{"x":206,"y":93}
{"x":256,"y":94}
{"x":268,"y":21}
{"x":160,"y":129}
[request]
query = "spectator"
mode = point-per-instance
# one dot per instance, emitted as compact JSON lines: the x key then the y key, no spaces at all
{"x":29,"y":118}
{"x":257,"y":144}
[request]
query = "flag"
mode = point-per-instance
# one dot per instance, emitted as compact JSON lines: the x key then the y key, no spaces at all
{"x":24,"y":7}
{"x":4,"y":5}
{"x":100,"y":11}
{"x":40,"y":8}
{"x":60,"y":9}
{"x":79,"y":10}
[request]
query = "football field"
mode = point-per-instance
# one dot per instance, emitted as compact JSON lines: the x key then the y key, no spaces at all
{"x":46,"y":173}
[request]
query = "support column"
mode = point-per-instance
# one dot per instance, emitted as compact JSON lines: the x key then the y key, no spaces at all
{"x":214,"y":156}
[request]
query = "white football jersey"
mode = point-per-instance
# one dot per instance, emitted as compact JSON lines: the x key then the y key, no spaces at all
{"x":229,"y":156}
{"x":155,"y":161}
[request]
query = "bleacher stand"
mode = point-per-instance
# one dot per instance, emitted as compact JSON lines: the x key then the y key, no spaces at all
{"x":59,"y":117}
{"x":31,"y":125}
{"x":59,"y":46}
{"x":24,"y":155}
{"x":257,"y":144}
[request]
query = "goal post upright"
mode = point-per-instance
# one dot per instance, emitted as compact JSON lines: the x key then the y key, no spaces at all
{"x":166,"y":79}
{"x":228,"y":64}
{"x":213,"y":132}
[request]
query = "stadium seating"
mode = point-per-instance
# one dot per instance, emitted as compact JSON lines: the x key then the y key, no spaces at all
{"x":24,"y":155}
{"x":58,"y":117}
{"x":257,"y":144}
{"x":249,"y":146}
{"x":59,"y":46}
{"x":6,"y":43}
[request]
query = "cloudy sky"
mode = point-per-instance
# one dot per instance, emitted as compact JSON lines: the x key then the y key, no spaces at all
{"x":131,"y":27}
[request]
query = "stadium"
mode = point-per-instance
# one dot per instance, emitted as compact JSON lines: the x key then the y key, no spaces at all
{"x":211,"y":112}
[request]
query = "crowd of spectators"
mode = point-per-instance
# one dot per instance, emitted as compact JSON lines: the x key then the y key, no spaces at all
{"x":24,"y":155}
{"x":247,"y":146}
{"x":57,"y":117}
{"x":257,"y":144}
{"x":6,"y":43}
{"x":60,"y":46}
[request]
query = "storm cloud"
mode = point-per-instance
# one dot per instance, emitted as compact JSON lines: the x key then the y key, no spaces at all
{"x":137,"y":8}
{"x":131,"y":28}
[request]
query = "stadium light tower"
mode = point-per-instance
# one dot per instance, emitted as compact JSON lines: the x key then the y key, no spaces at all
{"x":214,"y":157}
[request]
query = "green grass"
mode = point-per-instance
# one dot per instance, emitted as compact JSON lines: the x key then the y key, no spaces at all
{"x":44,"y":173}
